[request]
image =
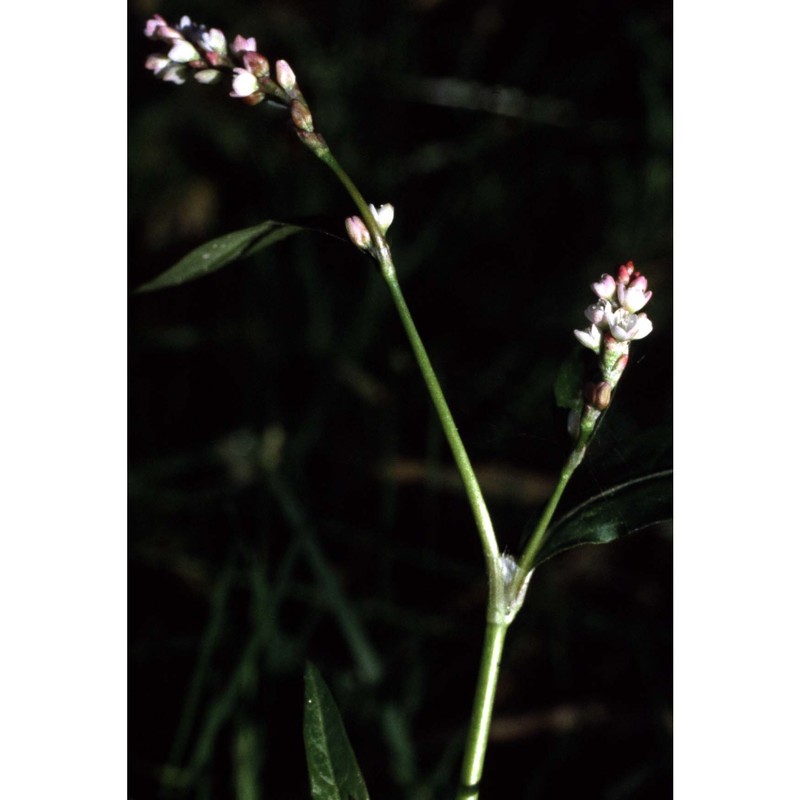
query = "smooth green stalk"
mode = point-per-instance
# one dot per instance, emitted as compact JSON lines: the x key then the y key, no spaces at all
{"x":384,"y":256}
{"x":478,"y":735}
{"x":476,"y":501}
{"x":538,"y":538}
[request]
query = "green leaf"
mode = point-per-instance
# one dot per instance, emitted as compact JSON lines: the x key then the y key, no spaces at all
{"x":623,"y":509}
{"x":332,"y":766}
{"x":218,"y":253}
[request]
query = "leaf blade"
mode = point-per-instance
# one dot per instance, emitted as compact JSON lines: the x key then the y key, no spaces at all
{"x":332,"y":767}
{"x":621,"y":510}
{"x":220,"y":252}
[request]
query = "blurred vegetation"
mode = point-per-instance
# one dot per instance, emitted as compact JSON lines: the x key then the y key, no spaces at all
{"x":291,"y":494}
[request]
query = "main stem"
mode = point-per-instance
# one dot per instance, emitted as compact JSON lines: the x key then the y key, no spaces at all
{"x":478,"y":736}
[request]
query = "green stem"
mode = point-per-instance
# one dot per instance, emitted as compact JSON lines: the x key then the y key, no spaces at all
{"x":476,"y":501}
{"x":536,"y":541}
{"x":383,"y":254}
{"x":478,"y":735}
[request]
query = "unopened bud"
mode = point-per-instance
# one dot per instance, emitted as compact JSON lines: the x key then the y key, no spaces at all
{"x":182,"y":52}
{"x":285,"y":76}
{"x":301,"y":116}
{"x":241,"y":45}
{"x":598,"y":395}
{"x":208,"y":76}
{"x":358,"y":233}
{"x":257,"y":64}
{"x":625,"y":272}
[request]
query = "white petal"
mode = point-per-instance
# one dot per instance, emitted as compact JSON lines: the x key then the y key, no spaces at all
{"x":590,"y":338}
{"x":182,"y":52}
{"x":245,"y":83}
{"x":643,"y":327}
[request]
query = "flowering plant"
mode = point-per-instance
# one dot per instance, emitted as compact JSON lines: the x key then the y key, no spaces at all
{"x":616,"y":320}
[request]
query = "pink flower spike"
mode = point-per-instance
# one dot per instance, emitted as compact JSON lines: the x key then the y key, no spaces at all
{"x":605,"y":287}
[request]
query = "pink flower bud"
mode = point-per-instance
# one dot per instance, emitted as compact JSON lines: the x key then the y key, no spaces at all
{"x":285,"y":76}
{"x":153,"y":26}
{"x":625,"y":272}
{"x":358,"y":233}
{"x":241,"y":45}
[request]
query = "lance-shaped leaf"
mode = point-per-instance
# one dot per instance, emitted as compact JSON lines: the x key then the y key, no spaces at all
{"x":218,"y":253}
{"x":332,"y":766}
{"x":618,"y":511}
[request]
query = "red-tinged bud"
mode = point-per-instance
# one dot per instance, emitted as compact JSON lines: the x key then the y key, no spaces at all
{"x":301,"y":116}
{"x":217,"y":59}
{"x":256,"y":63}
{"x":598,"y":395}
{"x":625,"y":272}
{"x":622,"y":362}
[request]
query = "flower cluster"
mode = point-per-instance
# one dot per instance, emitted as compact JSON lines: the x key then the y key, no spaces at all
{"x":616,"y":320}
{"x":615,"y":313}
{"x":359,"y":233}
{"x":202,"y":53}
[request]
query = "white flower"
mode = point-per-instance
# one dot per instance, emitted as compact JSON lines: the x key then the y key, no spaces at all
{"x":213,"y":41}
{"x":596,"y":312}
{"x":383,"y":216}
{"x":625,"y":326}
{"x":605,"y":287}
{"x":245,"y":83}
{"x":634,"y":297}
{"x":590,"y":338}
{"x":183,"y":52}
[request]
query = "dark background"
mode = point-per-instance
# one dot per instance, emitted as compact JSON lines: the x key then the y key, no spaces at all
{"x":526,"y":151}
